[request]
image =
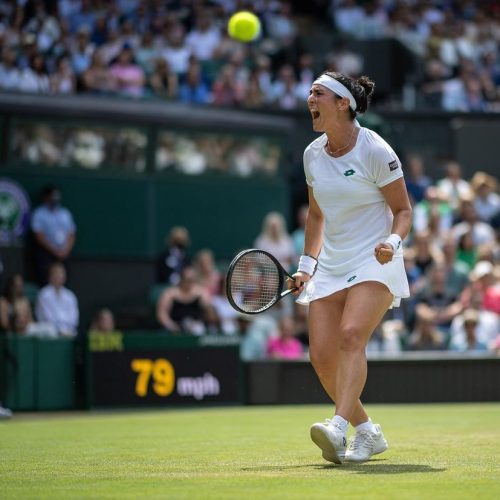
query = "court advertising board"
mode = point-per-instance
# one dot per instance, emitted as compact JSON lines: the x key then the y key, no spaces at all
{"x":125,"y":373}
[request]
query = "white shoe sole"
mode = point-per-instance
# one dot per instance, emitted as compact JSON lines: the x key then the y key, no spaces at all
{"x":321,"y":440}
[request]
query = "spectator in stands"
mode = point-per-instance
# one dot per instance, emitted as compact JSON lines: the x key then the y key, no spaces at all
{"x":163,"y":82}
{"x":487,"y":200}
{"x":204,"y":38}
{"x":264,"y":76}
{"x":207,"y":274}
{"x":348,"y":16}
{"x":147,"y":54}
{"x":82,"y":50}
{"x":103,"y":321}
{"x":426,"y":336}
{"x":416,"y":180}
{"x":15,"y":308}
{"x":54,"y":230}
{"x":481,"y":232}
{"x":254,"y":96}
{"x":432,"y":84}
{"x":415,"y":275}
{"x":284,"y":89}
{"x":467,"y":252}
{"x":82,"y":14}
{"x":177,"y":53}
{"x":254,"y":342}
{"x":484,"y":289}
{"x":182,"y":308}
{"x":474,"y":330}
{"x":227,"y":90}
{"x":433,"y":213}
{"x":58,"y":305}
{"x":227,"y":317}
{"x":35,"y":79}
{"x":306,"y":74}
{"x":469,"y":341}
{"x":97,"y":78}
{"x":10,"y":75}
{"x":193,"y":89}
{"x":128,"y":76}
{"x":112,"y":47}
{"x":437,"y":303}
{"x":453,"y":187}
{"x":427,"y":252}
{"x":275,"y":239}
{"x":63,"y":80}
{"x":457,"y":272}
{"x":281,"y":26}
{"x":174,"y":258}
{"x":284,"y":345}
{"x":344,"y":60}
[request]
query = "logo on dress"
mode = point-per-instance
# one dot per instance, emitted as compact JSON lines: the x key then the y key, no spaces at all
{"x":393,"y":165}
{"x":349,"y":172}
{"x":351,"y":278}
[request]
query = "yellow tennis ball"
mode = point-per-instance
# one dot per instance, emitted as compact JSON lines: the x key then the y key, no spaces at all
{"x":244,"y":26}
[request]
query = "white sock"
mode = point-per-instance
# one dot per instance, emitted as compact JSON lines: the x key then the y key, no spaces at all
{"x":366,"y":426}
{"x":341,"y":422}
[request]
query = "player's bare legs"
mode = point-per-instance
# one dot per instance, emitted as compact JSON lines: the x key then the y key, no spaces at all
{"x":364,"y":308}
{"x":324,"y":346}
{"x":339,"y":327}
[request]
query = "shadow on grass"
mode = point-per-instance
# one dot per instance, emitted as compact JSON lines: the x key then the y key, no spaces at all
{"x":379,"y":467}
{"x":373,"y":467}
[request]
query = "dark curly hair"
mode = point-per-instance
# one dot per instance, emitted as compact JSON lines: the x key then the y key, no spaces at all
{"x":361,"y":89}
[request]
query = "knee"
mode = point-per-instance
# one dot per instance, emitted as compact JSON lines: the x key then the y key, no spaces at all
{"x":351,"y":338}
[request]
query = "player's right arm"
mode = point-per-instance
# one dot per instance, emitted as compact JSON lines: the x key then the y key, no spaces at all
{"x":313,"y":238}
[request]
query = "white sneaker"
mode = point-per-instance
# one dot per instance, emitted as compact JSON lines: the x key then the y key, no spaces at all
{"x":331,"y":439}
{"x":365,"y":444}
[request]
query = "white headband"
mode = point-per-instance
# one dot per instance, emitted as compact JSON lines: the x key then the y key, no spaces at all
{"x":336,"y":87}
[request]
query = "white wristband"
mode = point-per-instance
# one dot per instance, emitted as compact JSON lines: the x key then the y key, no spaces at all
{"x":307,"y":264}
{"x":395,"y":241}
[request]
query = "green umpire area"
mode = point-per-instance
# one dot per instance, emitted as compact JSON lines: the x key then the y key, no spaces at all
{"x":435,"y":451}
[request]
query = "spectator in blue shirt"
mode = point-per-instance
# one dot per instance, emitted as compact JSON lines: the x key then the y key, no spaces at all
{"x":54,"y":232}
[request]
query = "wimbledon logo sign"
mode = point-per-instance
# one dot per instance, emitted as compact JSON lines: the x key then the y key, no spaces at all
{"x":14,"y":211}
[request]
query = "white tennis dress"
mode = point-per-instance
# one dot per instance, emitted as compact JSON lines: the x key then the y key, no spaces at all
{"x":356,"y":216}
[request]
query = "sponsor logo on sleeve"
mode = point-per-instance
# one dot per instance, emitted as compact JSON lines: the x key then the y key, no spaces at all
{"x":393,"y":165}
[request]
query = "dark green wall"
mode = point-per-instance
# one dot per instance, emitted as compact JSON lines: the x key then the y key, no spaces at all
{"x":130,"y":216}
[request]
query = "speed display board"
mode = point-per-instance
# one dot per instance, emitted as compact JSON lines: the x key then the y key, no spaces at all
{"x":129,"y":374}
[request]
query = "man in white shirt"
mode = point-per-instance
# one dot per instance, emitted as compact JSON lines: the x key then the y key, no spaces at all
{"x":56,"y":304}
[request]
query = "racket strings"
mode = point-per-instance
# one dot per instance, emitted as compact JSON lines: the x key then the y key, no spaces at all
{"x":255,"y":282}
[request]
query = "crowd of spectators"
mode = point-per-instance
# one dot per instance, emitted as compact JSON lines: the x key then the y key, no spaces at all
{"x":180,"y":51}
{"x":452,"y":260}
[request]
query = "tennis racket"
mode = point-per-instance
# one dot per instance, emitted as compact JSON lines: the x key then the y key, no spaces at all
{"x":255,"y":281}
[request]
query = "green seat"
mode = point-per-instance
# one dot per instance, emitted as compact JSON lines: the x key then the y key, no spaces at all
{"x":154,"y":294}
{"x":31,"y":291}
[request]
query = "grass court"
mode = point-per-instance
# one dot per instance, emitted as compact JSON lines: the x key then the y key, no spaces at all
{"x":435,"y":451}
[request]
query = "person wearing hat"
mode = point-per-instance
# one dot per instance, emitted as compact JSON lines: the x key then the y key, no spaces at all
{"x":487,"y":200}
{"x":468,"y":335}
{"x":484,"y":290}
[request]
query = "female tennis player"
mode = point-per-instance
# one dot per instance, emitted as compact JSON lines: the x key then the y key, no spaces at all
{"x":352,"y":268}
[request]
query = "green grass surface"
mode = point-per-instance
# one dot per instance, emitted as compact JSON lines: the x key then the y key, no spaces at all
{"x":435,"y":451}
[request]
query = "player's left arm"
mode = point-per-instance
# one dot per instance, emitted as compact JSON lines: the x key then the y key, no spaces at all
{"x":396,"y":197}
